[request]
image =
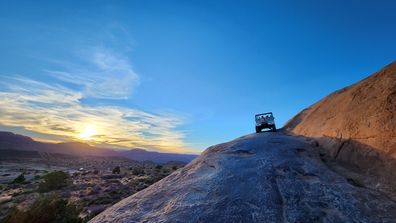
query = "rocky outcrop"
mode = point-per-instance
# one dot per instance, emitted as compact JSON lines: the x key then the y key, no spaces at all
{"x":266,"y":177}
{"x":274,"y":177}
{"x":357,"y":126}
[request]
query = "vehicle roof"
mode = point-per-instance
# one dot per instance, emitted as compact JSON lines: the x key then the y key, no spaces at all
{"x":267,"y":113}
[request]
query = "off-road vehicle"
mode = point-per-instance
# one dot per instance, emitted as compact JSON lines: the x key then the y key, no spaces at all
{"x":265,"y":121}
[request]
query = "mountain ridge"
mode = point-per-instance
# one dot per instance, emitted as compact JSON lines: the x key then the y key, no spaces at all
{"x":9,"y":140}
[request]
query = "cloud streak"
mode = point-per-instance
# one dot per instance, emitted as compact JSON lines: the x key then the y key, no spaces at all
{"x":57,"y":110}
{"x":102,"y":74}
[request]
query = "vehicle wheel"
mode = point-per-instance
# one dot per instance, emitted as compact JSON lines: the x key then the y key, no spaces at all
{"x":274,"y":128}
{"x":258,"y":129}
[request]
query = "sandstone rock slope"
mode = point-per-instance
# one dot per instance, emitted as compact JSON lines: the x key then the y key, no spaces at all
{"x":281,"y":177}
{"x":266,"y":177}
{"x":357,"y":125}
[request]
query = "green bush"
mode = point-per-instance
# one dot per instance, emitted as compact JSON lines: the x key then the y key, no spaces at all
{"x":137,"y":171}
{"x":54,"y":181}
{"x":20,"y":179}
{"x":48,"y":209}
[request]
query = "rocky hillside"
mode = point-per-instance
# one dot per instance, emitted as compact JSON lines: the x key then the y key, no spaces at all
{"x":283,"y":177}
{"x":357,"y":126}
{"x":266,"y":177}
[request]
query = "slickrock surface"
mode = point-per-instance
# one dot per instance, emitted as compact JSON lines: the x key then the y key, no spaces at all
{"x":357,"y":126}
{"x":266,"y":177}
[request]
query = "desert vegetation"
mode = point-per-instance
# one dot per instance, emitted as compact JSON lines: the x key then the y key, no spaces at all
{"x":50,"y":208}
{"x":59,"y":189}
{"x":53,"y":181}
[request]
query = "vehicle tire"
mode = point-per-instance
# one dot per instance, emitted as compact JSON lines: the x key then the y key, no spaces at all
{"x":258,"y":129}
{"x":274,"y":128}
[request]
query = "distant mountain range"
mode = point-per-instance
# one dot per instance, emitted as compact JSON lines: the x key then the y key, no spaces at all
{"x":12,"y":141}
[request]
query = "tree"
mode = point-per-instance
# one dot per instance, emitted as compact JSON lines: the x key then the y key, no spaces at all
{"x":117,"y":170}
{"x":20,"y":179}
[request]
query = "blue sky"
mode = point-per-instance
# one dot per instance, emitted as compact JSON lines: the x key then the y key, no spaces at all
{"x":179,"y":75}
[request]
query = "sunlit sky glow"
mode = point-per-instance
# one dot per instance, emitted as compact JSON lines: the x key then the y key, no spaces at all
{"x":179,"y":76}
{"x":88,"y":132}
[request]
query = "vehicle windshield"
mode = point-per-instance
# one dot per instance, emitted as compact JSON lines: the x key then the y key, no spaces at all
{"x":264,"y":116}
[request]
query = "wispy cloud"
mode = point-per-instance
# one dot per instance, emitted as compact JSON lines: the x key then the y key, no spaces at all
{"x":57,"y":110}
{"x":101,"y":72}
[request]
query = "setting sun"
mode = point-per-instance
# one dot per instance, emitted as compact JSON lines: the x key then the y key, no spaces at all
{"x":88,"y":132}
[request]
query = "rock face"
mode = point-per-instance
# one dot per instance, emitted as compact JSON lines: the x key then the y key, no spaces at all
{"x":357,"y":126}
{"x":266,"y":177}
{"x":274,"y":177}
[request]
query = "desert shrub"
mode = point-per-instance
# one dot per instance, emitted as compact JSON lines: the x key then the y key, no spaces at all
{"x":137,"y":171}
{"x":20,"y":179}
{"x":148,"y":180}
{"x":117,"y":170}
{"x":49,"y":208}
{"x":105,"y":199}
{"x":53,"y":181}
{"x":174,"y":167}
{"x":158,"y":167}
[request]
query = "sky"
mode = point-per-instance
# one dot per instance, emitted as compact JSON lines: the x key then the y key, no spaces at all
{"x":179,"y":76}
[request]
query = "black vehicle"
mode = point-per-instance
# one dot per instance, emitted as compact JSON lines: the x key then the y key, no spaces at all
{"x":265,"y":121}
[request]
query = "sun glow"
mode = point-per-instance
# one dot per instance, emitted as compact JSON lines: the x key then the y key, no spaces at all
{"x":88,"y":132}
